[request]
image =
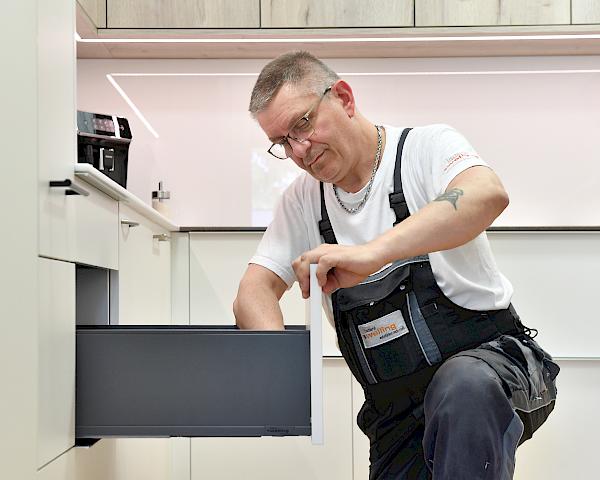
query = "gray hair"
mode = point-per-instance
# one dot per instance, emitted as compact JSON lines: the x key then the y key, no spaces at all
{"x":300,"y":69}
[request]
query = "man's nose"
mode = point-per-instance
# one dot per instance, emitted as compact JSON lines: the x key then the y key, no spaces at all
{"x":299,"y":148}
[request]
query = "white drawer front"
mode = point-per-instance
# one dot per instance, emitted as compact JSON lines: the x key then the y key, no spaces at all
{"x":78,"y":228}
{"x":96,"y":230}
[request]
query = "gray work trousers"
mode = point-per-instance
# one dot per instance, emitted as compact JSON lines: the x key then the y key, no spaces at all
{"x":463,"y":419}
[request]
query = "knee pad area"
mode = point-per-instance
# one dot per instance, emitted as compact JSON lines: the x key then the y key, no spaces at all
{"x":467,"y":386}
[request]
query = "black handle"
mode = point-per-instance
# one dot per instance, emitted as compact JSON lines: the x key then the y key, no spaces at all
{"x":72,"y":189}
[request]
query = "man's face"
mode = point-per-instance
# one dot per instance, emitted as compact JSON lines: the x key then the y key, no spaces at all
{"x":319,"y":155}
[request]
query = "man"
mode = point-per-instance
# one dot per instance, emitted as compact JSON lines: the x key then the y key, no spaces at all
{"x":395,"y":219}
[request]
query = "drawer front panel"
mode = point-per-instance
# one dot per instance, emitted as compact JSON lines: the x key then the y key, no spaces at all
{"x":96,"y":230}
{"x":191,"y":381}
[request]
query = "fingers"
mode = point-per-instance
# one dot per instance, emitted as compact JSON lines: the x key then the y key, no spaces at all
{"x":301,"y":268}
{"x":324,"y":265}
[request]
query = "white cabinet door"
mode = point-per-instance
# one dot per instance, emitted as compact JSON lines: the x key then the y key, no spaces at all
{"x":71,"y":227}
{"x":144,"y":271}
{"x":289,"y":458}
{"x":56,"y":126}
{"x":56,"y":377}
{"x":217,"y":263}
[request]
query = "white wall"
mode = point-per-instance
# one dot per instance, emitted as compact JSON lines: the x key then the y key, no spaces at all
{"x":536,"y":120}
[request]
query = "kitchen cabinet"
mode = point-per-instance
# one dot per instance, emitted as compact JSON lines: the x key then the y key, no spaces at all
{"x":144,"y":270}
{"x":96,"y":239}
{"x":585,"y":11}
{"x":77,"y":227}
{"x":144,"y":299}
{"x":461,"y":13}
{"x":182,"y":14}
{"x":336,"y":13}
{"x":74,"y":227}
{"x":217,"y":262}
{"x":57,"y":150}
{"x":292,"y":458}
{"x":95,"y":10}
{"x":360,"y":442}
{"x":95,"y":463}
{"x":56,"y":362}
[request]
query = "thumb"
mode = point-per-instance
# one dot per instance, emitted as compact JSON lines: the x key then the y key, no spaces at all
{"x":332,"y":282}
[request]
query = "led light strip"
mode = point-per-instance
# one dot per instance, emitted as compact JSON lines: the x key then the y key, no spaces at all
{"x":485,"y":38}
{"x":367,"y":74}
{"x":131,"y":104}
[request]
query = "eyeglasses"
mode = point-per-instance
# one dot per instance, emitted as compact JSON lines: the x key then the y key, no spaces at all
{"x":300,"y":132}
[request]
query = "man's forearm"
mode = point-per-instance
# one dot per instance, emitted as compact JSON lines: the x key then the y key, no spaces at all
{"x":453,"y":219}
{"x":257,"y":309}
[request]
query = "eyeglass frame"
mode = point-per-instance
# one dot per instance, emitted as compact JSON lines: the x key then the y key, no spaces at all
{"x":305,"y":117}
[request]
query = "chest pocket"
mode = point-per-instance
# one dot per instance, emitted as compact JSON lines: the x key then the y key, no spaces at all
{"x":376,"y":327}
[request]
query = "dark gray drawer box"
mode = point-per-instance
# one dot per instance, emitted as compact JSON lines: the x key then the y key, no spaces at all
{"x":165,"y":381}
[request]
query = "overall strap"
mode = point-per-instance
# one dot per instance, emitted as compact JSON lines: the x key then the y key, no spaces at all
{"x":397,"y":200}
{"x":325,"y":228}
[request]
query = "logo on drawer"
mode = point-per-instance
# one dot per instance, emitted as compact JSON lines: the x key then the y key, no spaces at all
{"x":383,"y":330}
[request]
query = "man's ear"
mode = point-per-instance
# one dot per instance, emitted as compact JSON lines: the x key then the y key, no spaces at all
{"x":343,"y":92}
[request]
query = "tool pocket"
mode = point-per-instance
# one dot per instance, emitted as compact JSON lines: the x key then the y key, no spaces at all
{"x":374,"y":328}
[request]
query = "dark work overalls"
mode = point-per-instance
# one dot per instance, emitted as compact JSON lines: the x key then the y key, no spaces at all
{"x":449,"y":391}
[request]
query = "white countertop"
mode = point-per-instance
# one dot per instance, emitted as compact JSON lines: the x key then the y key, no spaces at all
{"x":89,"y":174}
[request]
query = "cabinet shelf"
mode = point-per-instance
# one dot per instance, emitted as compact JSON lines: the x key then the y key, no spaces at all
{"x":343,"y":42}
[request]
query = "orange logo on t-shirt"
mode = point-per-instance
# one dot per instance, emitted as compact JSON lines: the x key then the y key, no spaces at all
{"x":459,"y":156}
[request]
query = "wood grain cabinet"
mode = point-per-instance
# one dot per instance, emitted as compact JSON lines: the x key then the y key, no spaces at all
{"x":585,"y":11}
{"x":182,"y":14}
{"x":95,"y":10}
{"x":336,"y":13}
{"x":456,"y":13}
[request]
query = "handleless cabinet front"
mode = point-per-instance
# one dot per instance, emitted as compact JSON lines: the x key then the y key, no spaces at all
{"x":56,"y":379}
{"x":144,"y":270}
{"x":57,"y":150}
{"x":96,"y":240}
{"x":79,"y":227}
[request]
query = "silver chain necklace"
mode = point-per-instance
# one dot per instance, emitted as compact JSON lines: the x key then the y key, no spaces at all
{"x":361,"y":204}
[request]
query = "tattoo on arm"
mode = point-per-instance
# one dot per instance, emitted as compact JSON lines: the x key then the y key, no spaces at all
{"x":451,"y":196}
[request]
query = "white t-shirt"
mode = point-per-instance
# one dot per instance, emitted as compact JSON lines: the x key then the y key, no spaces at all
{"x":432,"y":156}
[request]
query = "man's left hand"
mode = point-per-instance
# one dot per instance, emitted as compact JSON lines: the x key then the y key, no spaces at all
{"x":338,"y":266}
